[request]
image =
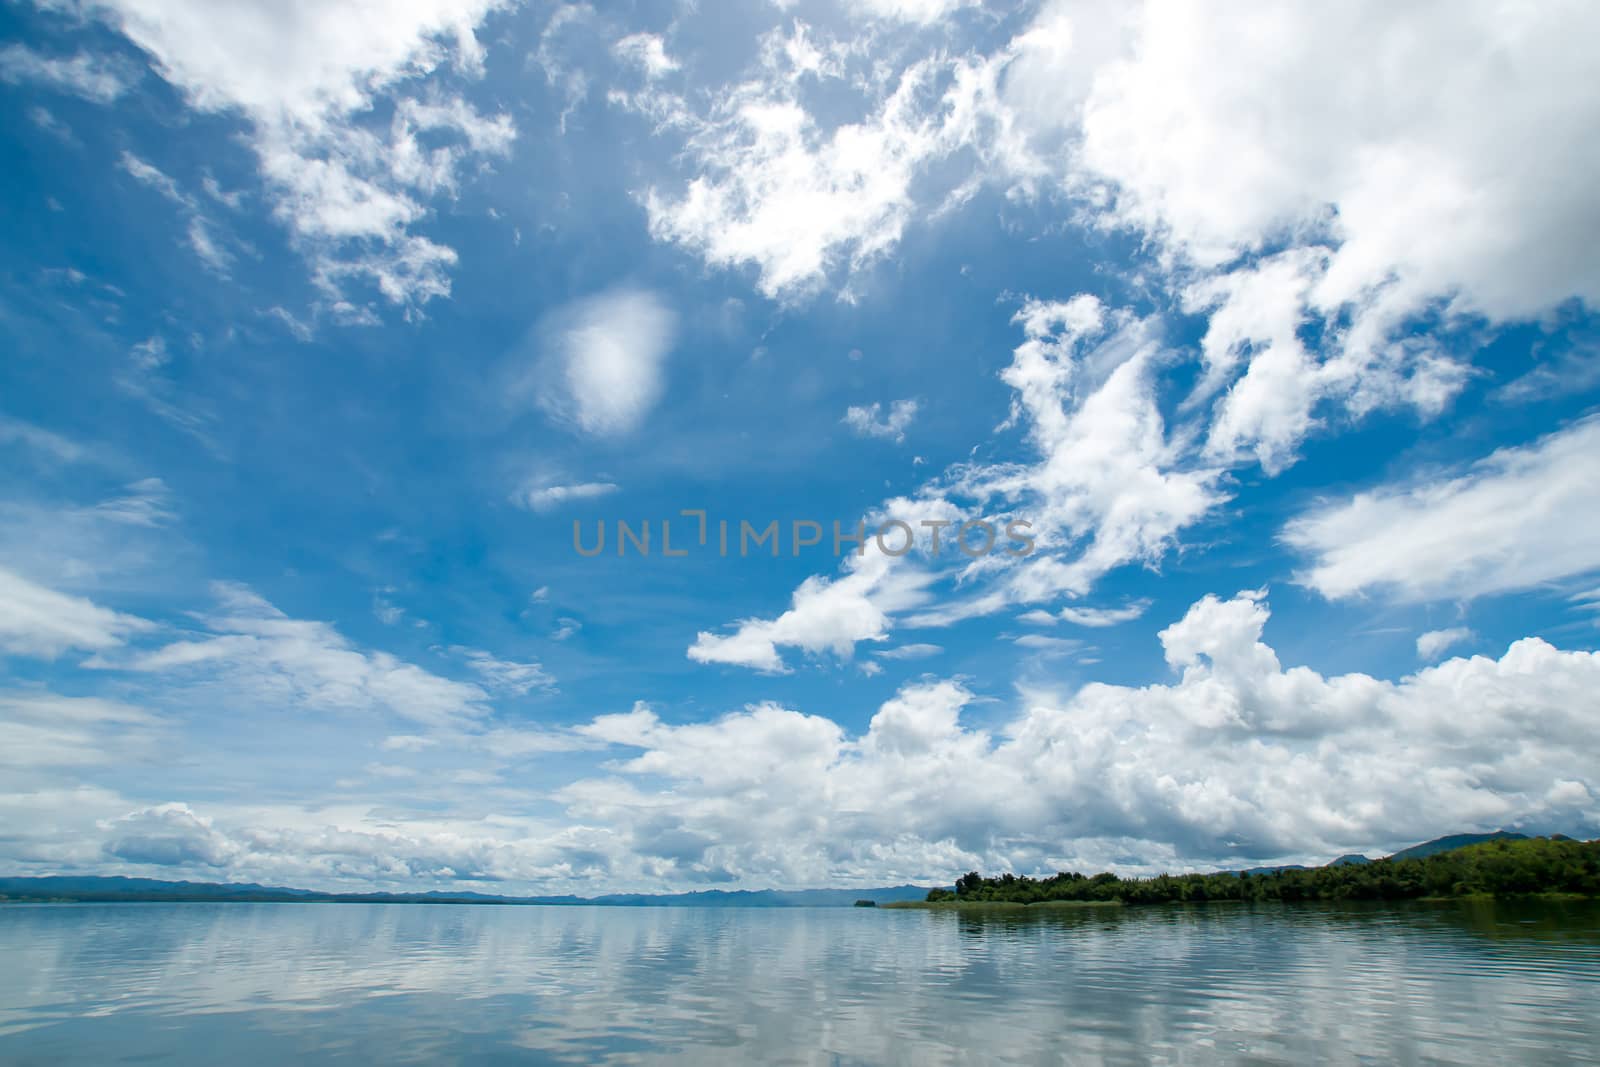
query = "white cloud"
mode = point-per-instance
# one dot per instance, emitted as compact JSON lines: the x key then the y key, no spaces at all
{"x":203,"y":242}
{"x":92,"y":77}
{"x":1237,"y":760}
{"x":834,"y":615}
{"x":919,"y":650}
{"x":542,"y":497}
{"x":1224,"y":134}
{"x":387,"y":611}
{"x":1298,"y":181}
{"x":1566,"y":372}
{"x":602,"y":370}
{"x":774,"y":189}
{"x":1379,"y":128}
{"x":148,"y":174}
{"x":201,"y":232}
{"x":1096,"y":618}
{"x":647,"y":52}
{"x":868,"y":420}
{"x":146,"y":380}
{"x":91,"y":550}
{"x":1058,"y":646}
{"x":305,"y":77}
{"x":1240,"y":759}
{"x":170,"y":835}
{"x":1435,"y":643}
{"x":256,"y":653}
{"x":146,"y":502}
{"x":39,"y":440}
{"x":506,"y":676}
{"x":334,"y":847}
{"x":922,"y":12}
{"x":46,"y":730}
{"x":1518,"y":519}
{"x":40,"y":622}
{"x":1110,"y":487}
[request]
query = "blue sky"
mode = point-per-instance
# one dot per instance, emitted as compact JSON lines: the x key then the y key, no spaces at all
{"x":323,"y":327}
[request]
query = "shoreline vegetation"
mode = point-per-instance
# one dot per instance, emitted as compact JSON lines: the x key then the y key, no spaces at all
{"x":1547,"y":867}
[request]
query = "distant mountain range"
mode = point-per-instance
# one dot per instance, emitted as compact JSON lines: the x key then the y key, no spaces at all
{"x":1445,"y":844}
{"x":1415,"y":852}
{"x":117,"y":888}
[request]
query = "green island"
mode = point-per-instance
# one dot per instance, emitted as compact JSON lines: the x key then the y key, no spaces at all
{"x":1551,"y":867}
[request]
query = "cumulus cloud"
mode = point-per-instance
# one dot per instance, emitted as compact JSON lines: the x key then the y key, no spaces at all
{"x":1224,"y":136}
{"x":1238,"y":759}
{"x":869,"y":420}
{"x":169,"y":835}
{"x":338,"y":850}
{"x":1222,"y":131}
{"x":1520,"y":518}
{"x":1298,"y":175}
{"x":40,"y":622}
{"x":602,"y":371}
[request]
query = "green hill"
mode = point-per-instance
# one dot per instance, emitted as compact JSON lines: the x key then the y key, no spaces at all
{"x":1454,"y":841}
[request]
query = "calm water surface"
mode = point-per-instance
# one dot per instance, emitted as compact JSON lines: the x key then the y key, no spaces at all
{"x":324,"y":983}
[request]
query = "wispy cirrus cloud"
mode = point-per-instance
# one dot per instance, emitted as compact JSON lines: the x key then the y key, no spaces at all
{"x":98,"y":78}
{"x":541,"y":496}
{"x":39,"y":622}
{"x":1517,"y":519}
{"x":506,"y":676}
{"x":256,"y":653}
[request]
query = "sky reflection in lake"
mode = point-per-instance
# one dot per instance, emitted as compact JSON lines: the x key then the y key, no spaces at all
{"x":272,"y":983}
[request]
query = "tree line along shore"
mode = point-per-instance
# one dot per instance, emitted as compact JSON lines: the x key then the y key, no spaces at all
{"x":1541,"y":866}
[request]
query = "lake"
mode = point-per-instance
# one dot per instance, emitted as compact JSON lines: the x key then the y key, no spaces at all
{"x":348,"y":983}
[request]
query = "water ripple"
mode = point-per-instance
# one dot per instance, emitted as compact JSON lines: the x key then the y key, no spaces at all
{"x":274,"y":983}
